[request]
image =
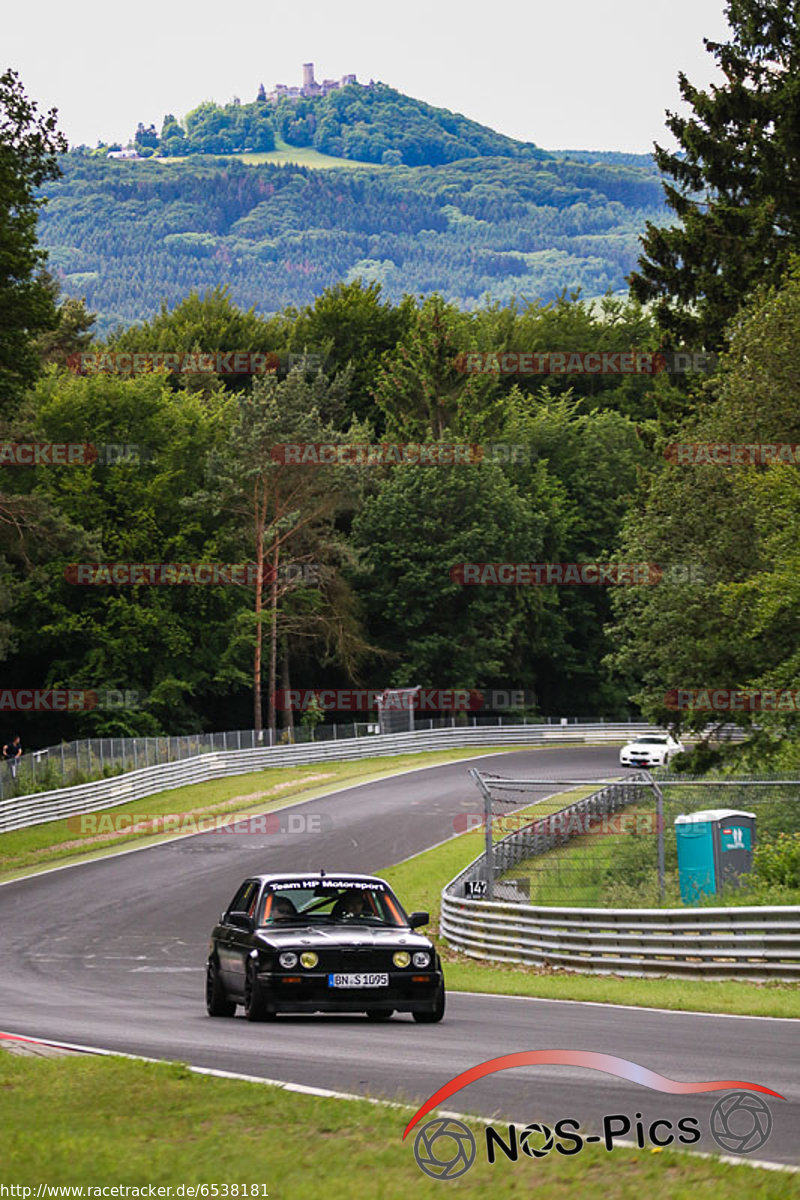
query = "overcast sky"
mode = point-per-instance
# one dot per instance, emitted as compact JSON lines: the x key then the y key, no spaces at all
{"x":566,"y":74}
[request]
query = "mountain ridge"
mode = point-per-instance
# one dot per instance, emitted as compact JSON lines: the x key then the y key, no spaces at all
{"x":518,"y":223}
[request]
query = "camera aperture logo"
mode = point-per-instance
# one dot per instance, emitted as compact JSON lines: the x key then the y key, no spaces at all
{"x":446,"y":1148}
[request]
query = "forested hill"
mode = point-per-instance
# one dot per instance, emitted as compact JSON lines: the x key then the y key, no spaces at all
{"x":375,"y":124}
{"x":127,"y":235}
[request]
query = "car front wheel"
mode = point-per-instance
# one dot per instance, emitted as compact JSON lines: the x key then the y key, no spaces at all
{"x":217,"y":1002}
{"x":430,"y":1018}
{"x":255,"y":1004}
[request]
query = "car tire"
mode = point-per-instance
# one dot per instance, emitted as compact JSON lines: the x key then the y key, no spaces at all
{"x":217,"y":1002}
{"x":431,"y":1018}
{"x":255,"y":1004}
{"x":379,"y":1014}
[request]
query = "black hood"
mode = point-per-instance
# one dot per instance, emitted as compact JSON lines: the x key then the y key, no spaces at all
{"x":316,"y":937}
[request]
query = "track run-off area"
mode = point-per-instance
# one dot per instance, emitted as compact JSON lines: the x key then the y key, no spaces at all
{"x":111,"y":954}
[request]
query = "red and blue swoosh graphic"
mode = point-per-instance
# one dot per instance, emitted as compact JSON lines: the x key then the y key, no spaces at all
{"x":623,"y":1068}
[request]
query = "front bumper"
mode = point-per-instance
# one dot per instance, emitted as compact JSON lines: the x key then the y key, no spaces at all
{"x":313,"y":994}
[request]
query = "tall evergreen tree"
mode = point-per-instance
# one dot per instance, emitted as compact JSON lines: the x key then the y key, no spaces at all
{"x":735,"y":181}
{"x":29,"y":144}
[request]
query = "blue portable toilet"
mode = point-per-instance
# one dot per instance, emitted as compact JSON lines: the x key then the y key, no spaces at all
{"x":715,"y":847}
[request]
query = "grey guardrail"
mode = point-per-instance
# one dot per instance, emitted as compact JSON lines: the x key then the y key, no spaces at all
{"x":41,"y":807}
{"x":712,"y":942}
{"x":741,"y":942}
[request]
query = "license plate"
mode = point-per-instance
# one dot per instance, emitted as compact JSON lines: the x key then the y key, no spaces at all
{"x":362,"y":980}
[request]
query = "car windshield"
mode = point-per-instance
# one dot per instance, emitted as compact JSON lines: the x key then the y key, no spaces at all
{"x":338,"y":902}
{"x":650,"y":741}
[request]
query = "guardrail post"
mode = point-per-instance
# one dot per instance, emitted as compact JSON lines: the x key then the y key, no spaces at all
{"x":660,"y":822}
{"x":488,"y":839}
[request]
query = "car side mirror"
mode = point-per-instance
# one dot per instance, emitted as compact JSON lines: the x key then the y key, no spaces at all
{"x":419,"y":918}
{"x":241,"y":920}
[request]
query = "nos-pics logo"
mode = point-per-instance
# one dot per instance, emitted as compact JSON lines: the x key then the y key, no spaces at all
{"x":445,"y":1148}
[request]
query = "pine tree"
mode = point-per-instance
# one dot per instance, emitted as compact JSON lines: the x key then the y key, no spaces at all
{"x":736,"y":179}
{"x":29,"y":147}
{"x":262,"y":95}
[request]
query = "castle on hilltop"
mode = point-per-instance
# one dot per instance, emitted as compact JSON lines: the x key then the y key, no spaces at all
{"x":310,"y":87}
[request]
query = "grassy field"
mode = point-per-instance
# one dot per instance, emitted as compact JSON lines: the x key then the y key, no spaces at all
{"x":88,"y":1121}
{"x":577,"y":874}
{"x":72,"y":839}
{"x":303,"y":156}
{"x":620,"y":869}
{"x":419,"y":881}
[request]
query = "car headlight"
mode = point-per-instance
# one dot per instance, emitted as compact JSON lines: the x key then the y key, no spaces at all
{"x":288,"y":959}
{"x":422,"y":959}
{"x":308,"y":959}
{"x":401,"y":959}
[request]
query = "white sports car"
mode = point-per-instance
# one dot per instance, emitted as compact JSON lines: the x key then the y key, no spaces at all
{"x":650,"y":750}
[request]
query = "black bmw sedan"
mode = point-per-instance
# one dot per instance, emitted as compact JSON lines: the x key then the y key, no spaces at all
{"x":321,"y":943}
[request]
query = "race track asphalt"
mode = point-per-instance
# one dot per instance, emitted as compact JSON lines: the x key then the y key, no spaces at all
{"x":111,"y":953}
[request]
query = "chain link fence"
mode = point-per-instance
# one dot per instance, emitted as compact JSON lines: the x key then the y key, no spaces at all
{"x":616,"y":847}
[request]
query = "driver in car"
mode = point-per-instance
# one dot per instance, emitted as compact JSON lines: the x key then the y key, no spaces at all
{"x":350,"y":905}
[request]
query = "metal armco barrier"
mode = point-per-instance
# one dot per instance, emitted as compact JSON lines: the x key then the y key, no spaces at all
{"x":713,"y":942}
{"x":759,"y":942}
{"x":37,"y":809}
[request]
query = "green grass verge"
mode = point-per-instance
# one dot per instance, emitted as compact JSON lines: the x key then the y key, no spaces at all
{"x":419,"y":882}
{"x":88,"y":1121}
{"x":71,"y":839}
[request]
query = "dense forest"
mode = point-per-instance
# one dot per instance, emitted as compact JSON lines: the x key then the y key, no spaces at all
{"x":595,"y":481}
{"x":593,"y":485}
{"x":127,"y":235}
